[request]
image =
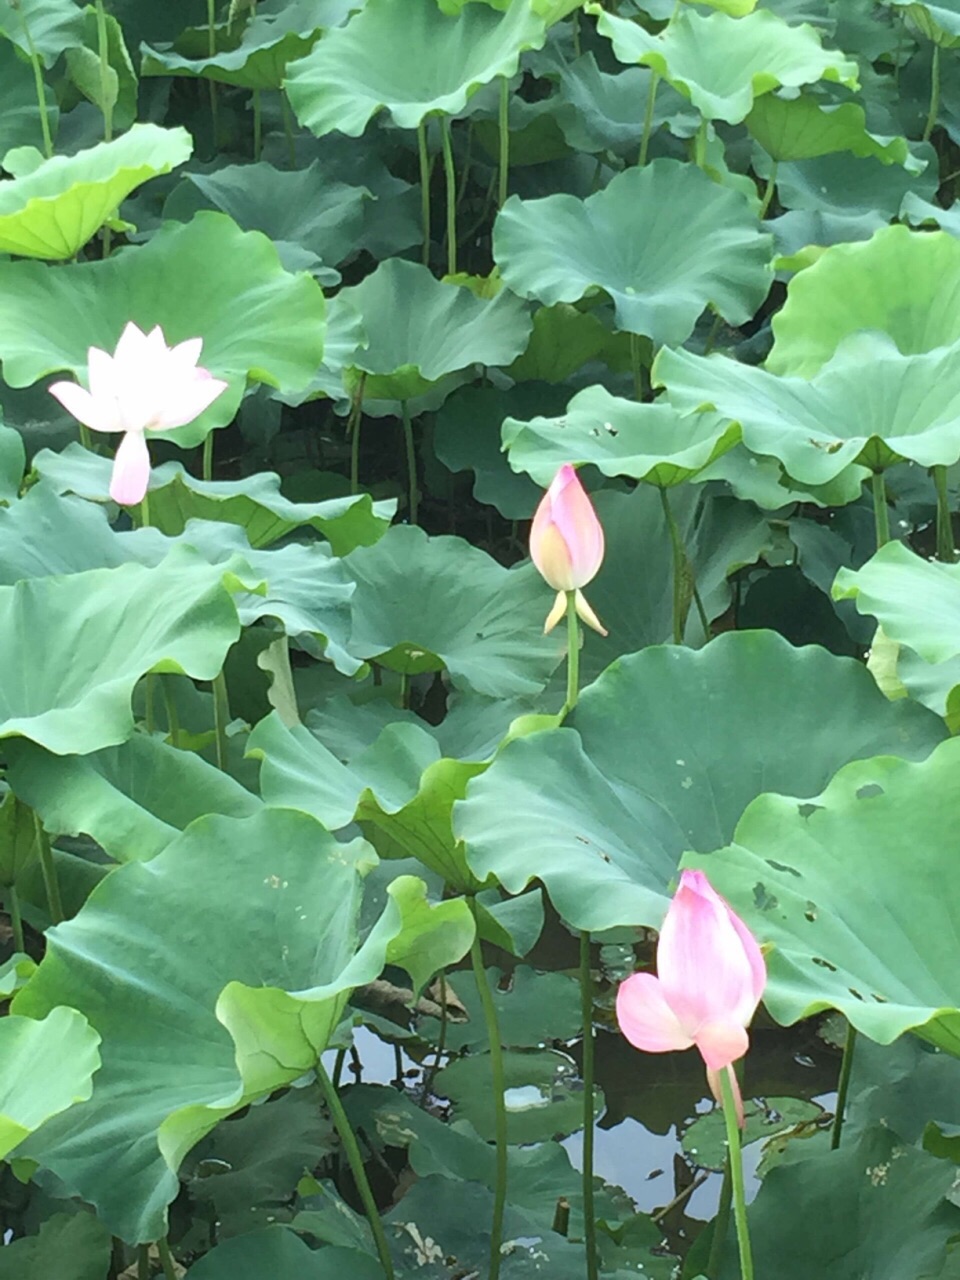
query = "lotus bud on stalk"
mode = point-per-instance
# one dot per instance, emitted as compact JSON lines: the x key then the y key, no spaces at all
{"x":566,"y":545}
{"x":710,"y":978}
{"x":144,"y":386}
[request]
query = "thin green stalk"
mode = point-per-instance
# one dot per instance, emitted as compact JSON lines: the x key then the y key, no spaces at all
{"x":504,"y":124}
{"x":636,"y":365}
{"x":843,"y":1086}
{"x":287,"y":111}
{"x":712,"y":335}
{"x":586,"y":1005}
{"x":946,"y":547}
{"x":86,"y":439}
{"x":48,"y":869}
{"x":257,"y":126}
{"x":881,"y":515}
{"x":143,"y":1262}
{"x":576,"y":33}
{"x":736,"y":1176}
{"x":700,"y":145}
{"x":221,"y":718}
{"x":166,"y":1260}
{"x":441,"y":1040}
{"x":573,"y":654}
{"x":211,"y":52}
{"x":648,"y":118}
{"x":500,"y":1109}
{"x":208,"y":456}
{"x":106,"y":102}
{"x":721,"y":1223}
{"x":451,"y":178}
{"x":424,"y":188}
{"x":38,"y":85}
{"x":404,"y":691}
{"x":149,"y":702}
{"x":769,"y":191}
{"x":169,"y":702}
{"x":353,"y":431}
{"x":681,"y":569}
{"x":338,"y":1067}
{"x":12,"y":901}
{"x":145,"y":510}
{"x":414,"y":508}
{"x":351,"y":1149}
{"x":934,"y":94}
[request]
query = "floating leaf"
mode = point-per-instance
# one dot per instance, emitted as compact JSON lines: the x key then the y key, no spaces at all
{"x":601,"y":812}
{"x":661,"y":267}
{"x":705,"y":1141}
{"x":354,"y":72}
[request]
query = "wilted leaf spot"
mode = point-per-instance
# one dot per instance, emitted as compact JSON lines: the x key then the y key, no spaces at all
{"x":807,"y":810}
{"x":811,"y":912}
{"x":869,"y":790}
{"x":855,"y":993}
{"x":763,"y":900}
{"x":782,"y":866}
{"x":824,"y":964}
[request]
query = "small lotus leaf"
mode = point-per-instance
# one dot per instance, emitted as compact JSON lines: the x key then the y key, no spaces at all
{"x":48,"y":26}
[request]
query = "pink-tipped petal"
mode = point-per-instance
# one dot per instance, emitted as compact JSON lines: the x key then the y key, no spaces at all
{"x":646,"y":1019}
{"x":758,"y":966}
{"x":556,"y":613}
{"x":131,"y":470}
{"x":721,"y":1043}
{"x":586,"y":614}
{"x":98,"y":415}
{"x":573,"y":514}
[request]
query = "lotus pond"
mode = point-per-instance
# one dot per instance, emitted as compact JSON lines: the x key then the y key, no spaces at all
{"x":479,"y":639}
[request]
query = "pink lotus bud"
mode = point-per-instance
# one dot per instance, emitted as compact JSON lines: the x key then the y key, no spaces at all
{"x":711,"y":975}
{"x":566,"y":544}
{"x":144,"y":386}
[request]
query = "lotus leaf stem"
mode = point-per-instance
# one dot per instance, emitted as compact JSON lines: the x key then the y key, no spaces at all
{"x":721,"y":1223}
{"x":208,"y":456}
{"x":504,"y":129}
{"x":143,"y":1262}
{"x":221,"y":718}
{"x":149,"y":699}
{"x":103,"y":51}
{"x":499,"y":1100}
{"x":573,"y":654}
{"x":39,"y":85}
{"x":684,"y":584}
{"x":86,"y":439}
{"x":451,"y":178}
{"x":169,"y":702}
{"x":414,"y":509}
{"x":736,"y":1176}
{"x":441,"y":1040}
{"x":934,"y":94}
{"x":212,"y":53}
{"x":843,"y":1085}
{"x":881,"y":515}
{"x":166,"y":1260}
{"x":768,"y":191}
{"x":12,"y":901}
{"x":424,"y":189}
{"x":353,"y":431}
{"x":648,"y":118}
{"x":636,"y":365}
{"x":586,"y":1005}
{"x":946,"y":547}
{"x":257,"y":126}
{"x":48,"y":869}
{"x":351,"y":1149}
{"x":288,"y":129}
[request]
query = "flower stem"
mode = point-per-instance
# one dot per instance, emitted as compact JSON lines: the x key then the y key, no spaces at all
{"x":451,"y":177}
{"x":679,"y":568}
{"x":103,"y":50}
{"x":145,"y":510}
{"x":12,"y":902}
{"x":288,"y":129}
{"x":500,"y":1108}
{"x":39,"y":85}
{"x":721,"y":1223}
{"x":221,"y":718}
{"x":934,"y":94}
{"x":166,"y":1259}
{"x":353,"y":431}
{"x":573,"y":654}
{"x":946,"y":548}
{"x":424,"y":189}
{"x":211,"y":52}
{"x":48,"y":870}
{"x":586,"y":1005}
{"x":351,"y":1149}
{"x":736,"y":1175}
{"x":414,"y":509}
{"x":881,"y":515}
{"x":143,"y":1262}
{"x":86,"y":439}
{"x":208,"y":456}
{"x":648,"y":118}
{"x":504,"y":170}
{"x":843,"y":1086}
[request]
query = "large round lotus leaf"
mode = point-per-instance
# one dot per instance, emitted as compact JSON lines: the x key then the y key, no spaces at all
{"x":48,"y":1066}
{"x":19,"y":112}
{"x":598,"y":112}
{"x":166,"y":956}
{"x":419,"y":328}
{"x":801,"y":128}
{"x":54,"y":26}
{"x":281,"y":1254}
{"x":939,"y":22}
{"x":53,"y":212}
{"x":355,"y":71}
{"x":193,"y":281}
{"x":857,"y":893}
{"x":258,"y":60}
{"x":465,"y":613}
{"x":102,"y":631}
{"x":133,"y":799}
{"x":667,"y":749}
{"x":869,"y":404}
{"x":851,"y":188}
{"x":663,"y":241}
{"x":722,"y":63}
{"x":915,"y":600}
{"x":902,"y":282}
{"x":255,"y":502}
{"x":651,"y":442}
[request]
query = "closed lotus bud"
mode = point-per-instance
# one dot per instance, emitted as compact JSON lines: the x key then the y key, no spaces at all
{"x":566,"y":544}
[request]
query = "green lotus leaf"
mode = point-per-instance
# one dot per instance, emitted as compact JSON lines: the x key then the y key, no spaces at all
{"x":12,"y":463}
{"x":468,"y":615}
{"x":551,"y":10}
{"x":840,"y":185}
{"x":256,"y":503}
{"x":804,"y":127}
{"x":661,"y":268}
{"x":273,"y":37}
{"x":273,"y":901}
{"x":48,"y":1067}
{"x":534,"y":1009}
{"x":280,"y":1253}
{"x":354,"y":72}
{"x":651,"y":442}
{"x":919,"y":212}
{"x":55,"y":210}
{"x":832,"y":884}
{"x":116,"y":90}
{"x":602,"y":812}
{"x":193,"y":281}
{"x":939,"y":22}
{"x":53,"y":26}
{"x":721,"y":63}
{"x":915,"y":600}
{"x":133,"y":799}
{"x":19,"y":112}
{"x":301,"y":212}
{"x":764,"y":482}
{"x":598,"y":112}
{"x":102,"y":631}
{"x":564,"y":339}
{"x":419,"y":328}
{"x":869,"y":404}
{"x":900,"y":282}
